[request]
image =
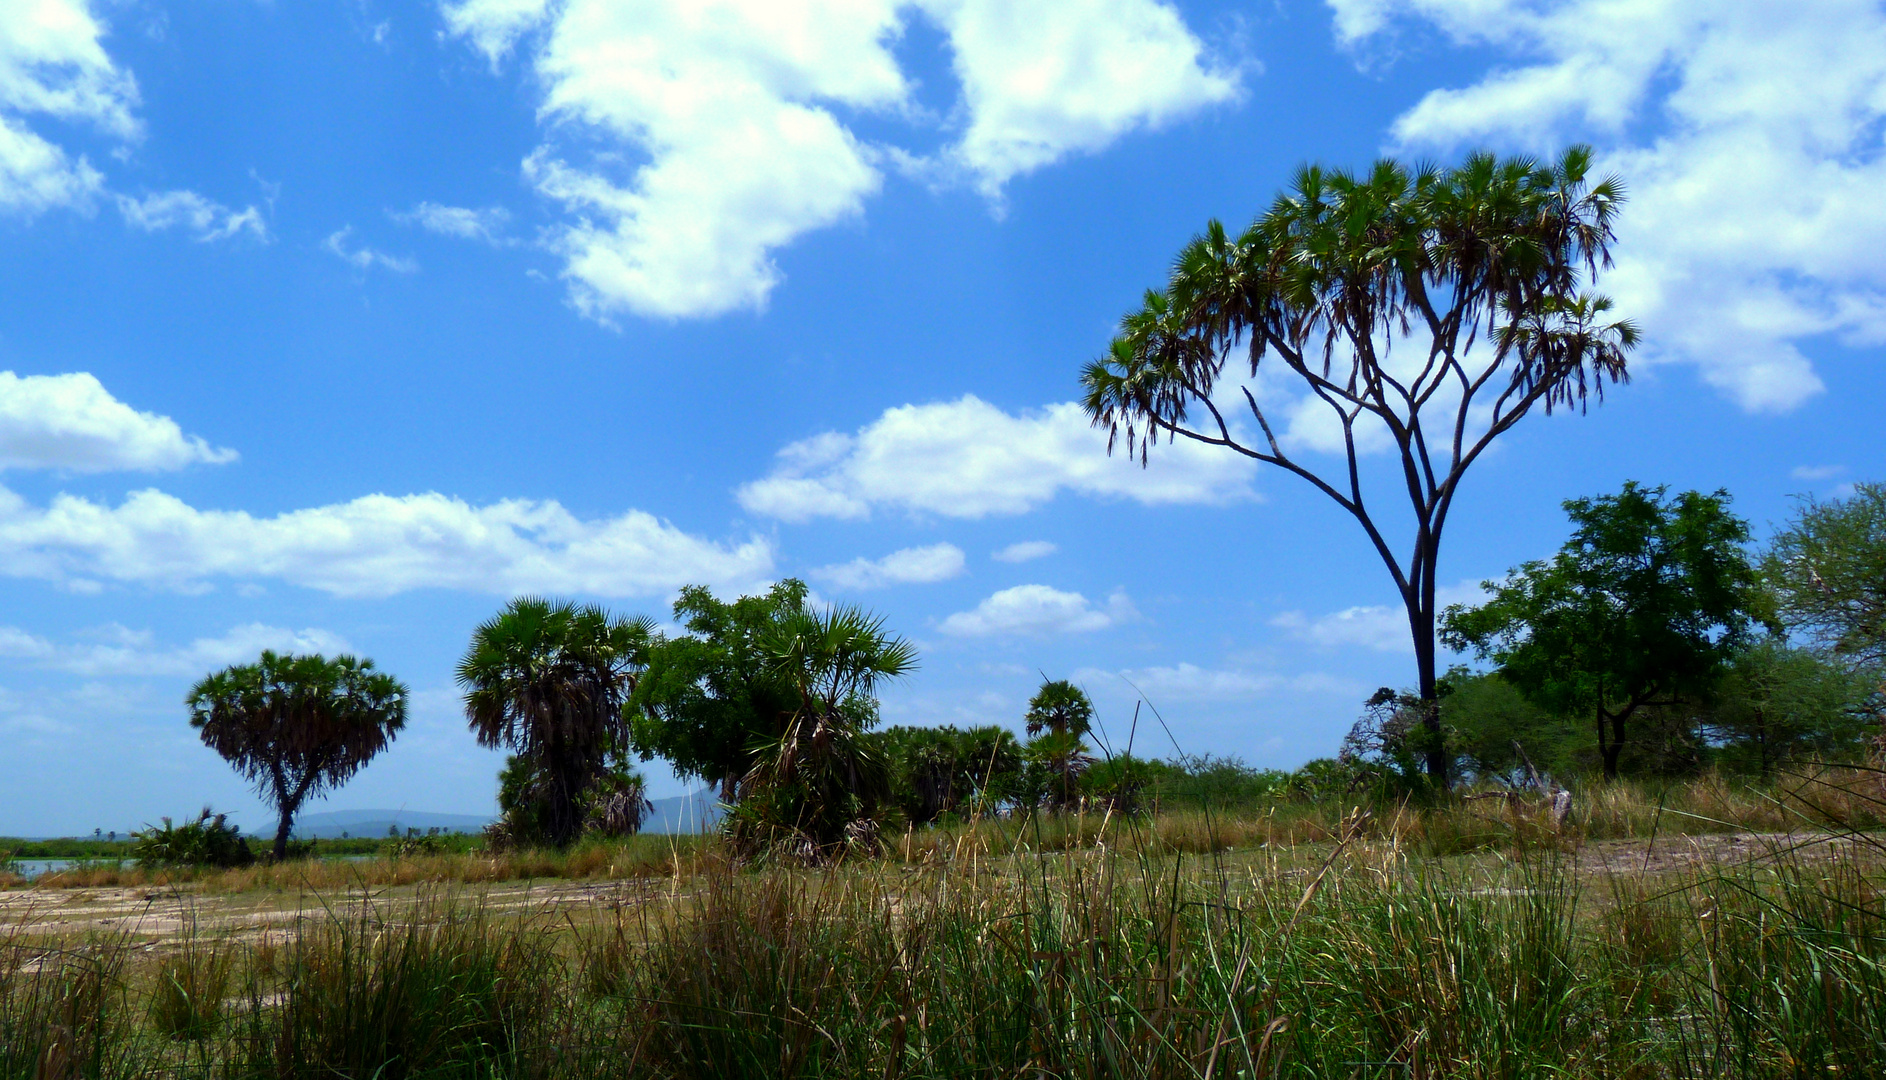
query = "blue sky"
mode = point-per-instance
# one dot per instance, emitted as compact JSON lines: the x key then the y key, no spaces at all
{"x":332,"y":326}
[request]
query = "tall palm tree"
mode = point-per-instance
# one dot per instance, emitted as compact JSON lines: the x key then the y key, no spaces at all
{"x":297,"y":726}
{"x":821,"y":775}
{"x":1059,"y":716}
{"x":547,"y":679}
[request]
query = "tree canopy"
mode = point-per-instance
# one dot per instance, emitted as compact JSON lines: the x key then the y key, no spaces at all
{"x":548,"y":679}
{"x":297,"y":726}
{"x":1828,"y":569}
{"x":1428,"y":309}
{"x":1646,"y":603}
{"x":709,"y":696}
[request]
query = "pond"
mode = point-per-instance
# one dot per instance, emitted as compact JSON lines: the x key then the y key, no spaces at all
{"x":32,"y":868}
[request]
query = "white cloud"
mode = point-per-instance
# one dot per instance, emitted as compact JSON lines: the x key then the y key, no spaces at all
{"x":919,"y":565}
{"x":1045,"y":80}
{"x":969,"y":459}
{"x":365,"y":258}
{"x":1816,"y":472}
{"x":121,"y":651}
{"x":1375,"y":626}
{"x":1755,"y":221}
{"x":53,"y":64}
{"x":493,"y":26}
{"x":377,"y":545}
{"x":1381,"y":627}
{"x":207,"y":219}
{"x":714,"y":133}
{"x":459,"y":221}
{"x":1024,"y":551}
{"x":72,"y":422}
{"x":1189,"y":682}
{"x":1037,"y":610}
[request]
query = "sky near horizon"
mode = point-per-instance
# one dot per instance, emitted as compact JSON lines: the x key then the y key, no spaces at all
{"x":333,"y":326}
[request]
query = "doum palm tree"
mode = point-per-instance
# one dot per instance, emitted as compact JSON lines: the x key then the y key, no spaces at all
{"x":547,"y":679}
{"x":297,"y":726}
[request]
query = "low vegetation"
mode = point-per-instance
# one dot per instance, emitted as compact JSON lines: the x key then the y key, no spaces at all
{"x":1467,"y":941}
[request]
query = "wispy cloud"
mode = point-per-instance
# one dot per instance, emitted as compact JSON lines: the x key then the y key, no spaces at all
{"x":366,"y":258}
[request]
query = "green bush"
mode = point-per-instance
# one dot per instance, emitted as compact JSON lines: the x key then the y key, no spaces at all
{"x":208,"y":841}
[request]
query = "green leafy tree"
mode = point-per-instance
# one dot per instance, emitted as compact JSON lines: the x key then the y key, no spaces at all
{"x":548,"y":680}
{"x":1778,"y":703}
{"x":1828,"y":570}
{"x":1495,"y":733}
{"x":947,"y":770}
{"x":1474,"y":276}
{"x":709,"y":697}
{"x":1645,"y":605}
{"x":297,"y":726}
{"x":819,"y":778}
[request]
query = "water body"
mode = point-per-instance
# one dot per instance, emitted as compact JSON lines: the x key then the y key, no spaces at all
{"x":32,"y":868}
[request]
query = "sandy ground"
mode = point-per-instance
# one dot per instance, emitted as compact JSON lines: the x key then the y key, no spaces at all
{"x":155,"y":918}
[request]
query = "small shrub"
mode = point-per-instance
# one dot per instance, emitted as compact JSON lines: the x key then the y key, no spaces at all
{"x":208,"y":841}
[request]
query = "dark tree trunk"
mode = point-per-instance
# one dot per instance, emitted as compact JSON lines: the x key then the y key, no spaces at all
{"x":281,"y":833}
{"x":1609,"y":749}
{"x":1421,"y":624}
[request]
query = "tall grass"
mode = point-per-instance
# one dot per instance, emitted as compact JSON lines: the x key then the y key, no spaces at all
{"x":1071,"y":947}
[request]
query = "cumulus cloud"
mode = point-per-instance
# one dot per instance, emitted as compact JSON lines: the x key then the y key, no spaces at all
{"x":1045,"y":80}
{"x":1025,"y":551}
{"x":53,"y":65}
{"x":377,"y":545}
{"x":462,"y":222}
{"x":708,"y":135}
{"x":365,"y":258}
{"x":918,"y":565}
{"x":118,"y":650}
{"x":1189,"y":682}
{"x":1038,"y":611}
{"x":969,"y":459}
{"x":1754,"y":222}
{"x":1381,"y":627}
{"x":72,"y":422}
{"x":206,"y":219}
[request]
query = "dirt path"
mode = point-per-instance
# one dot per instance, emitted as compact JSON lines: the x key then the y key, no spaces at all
{"x":157,"y":917}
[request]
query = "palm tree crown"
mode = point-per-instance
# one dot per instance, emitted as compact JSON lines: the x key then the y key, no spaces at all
{"x":548,"y":680}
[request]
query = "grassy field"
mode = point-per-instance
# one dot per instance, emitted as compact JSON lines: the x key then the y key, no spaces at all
{"x":1645,"y":939}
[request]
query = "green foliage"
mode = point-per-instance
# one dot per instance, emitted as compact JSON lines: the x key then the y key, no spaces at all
{"x":549,"y":679}
{"x":1828,"y":570}
{"x":947,"y":770}
{"x":1780,"y":703}
{"x":821,"y":781}
{"x":1059,"y":716}
{"x":1494,"y":731}
{"x":617,"y":804}
{"x":297,"y":726}
{"x":208,"y":841}
{"x":710,"y":696}
{"x":1645,"y":604}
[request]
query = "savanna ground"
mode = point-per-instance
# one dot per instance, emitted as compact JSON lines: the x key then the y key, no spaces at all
{"x":1703,"y":930}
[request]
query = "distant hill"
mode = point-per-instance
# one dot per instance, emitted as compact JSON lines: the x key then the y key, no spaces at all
{"x":331,"y":823}
{"x":696,"y":813}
